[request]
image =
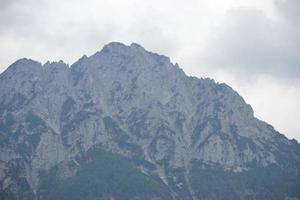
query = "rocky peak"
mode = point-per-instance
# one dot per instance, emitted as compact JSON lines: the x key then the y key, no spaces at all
{"x":136,"y":104}
{"x":55,"y":65}
{"x":23,"y":67}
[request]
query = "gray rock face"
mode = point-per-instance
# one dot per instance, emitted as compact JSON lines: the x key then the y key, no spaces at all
{"x":134,"y":103}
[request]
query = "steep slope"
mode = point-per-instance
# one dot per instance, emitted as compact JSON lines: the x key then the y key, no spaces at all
{"x":175,"y":131}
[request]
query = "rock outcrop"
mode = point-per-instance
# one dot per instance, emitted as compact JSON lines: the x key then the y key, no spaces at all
{"x":138,"y":105}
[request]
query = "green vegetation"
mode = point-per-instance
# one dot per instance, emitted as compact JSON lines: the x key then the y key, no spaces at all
{"x":67,"y":106}
{"x":259,"y":183}
{"x":177,"y":182}
{"x":20,"y":188}
{"x":104,"y":175}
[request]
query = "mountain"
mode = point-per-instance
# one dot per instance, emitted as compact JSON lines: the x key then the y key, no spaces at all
{"x":126,"y":123}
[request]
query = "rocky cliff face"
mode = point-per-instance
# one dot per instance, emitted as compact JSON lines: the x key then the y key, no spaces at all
{"x":137,"y":105}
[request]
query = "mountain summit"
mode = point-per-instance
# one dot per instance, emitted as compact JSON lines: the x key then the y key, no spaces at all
{"x":126,"y":123}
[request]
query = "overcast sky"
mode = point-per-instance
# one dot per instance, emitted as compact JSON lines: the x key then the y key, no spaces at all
{"x":252,"y":45}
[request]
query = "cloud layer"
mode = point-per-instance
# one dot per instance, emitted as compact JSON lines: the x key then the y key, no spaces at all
{"x":253,"y":45}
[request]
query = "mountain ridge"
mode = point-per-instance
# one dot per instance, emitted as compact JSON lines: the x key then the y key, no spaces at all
{"x":140,"y":106}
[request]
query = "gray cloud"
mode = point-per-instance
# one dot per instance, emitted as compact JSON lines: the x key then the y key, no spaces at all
{"x":289,"y":9}
{"x":65,"y":30}
{"x":250,"y":43}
